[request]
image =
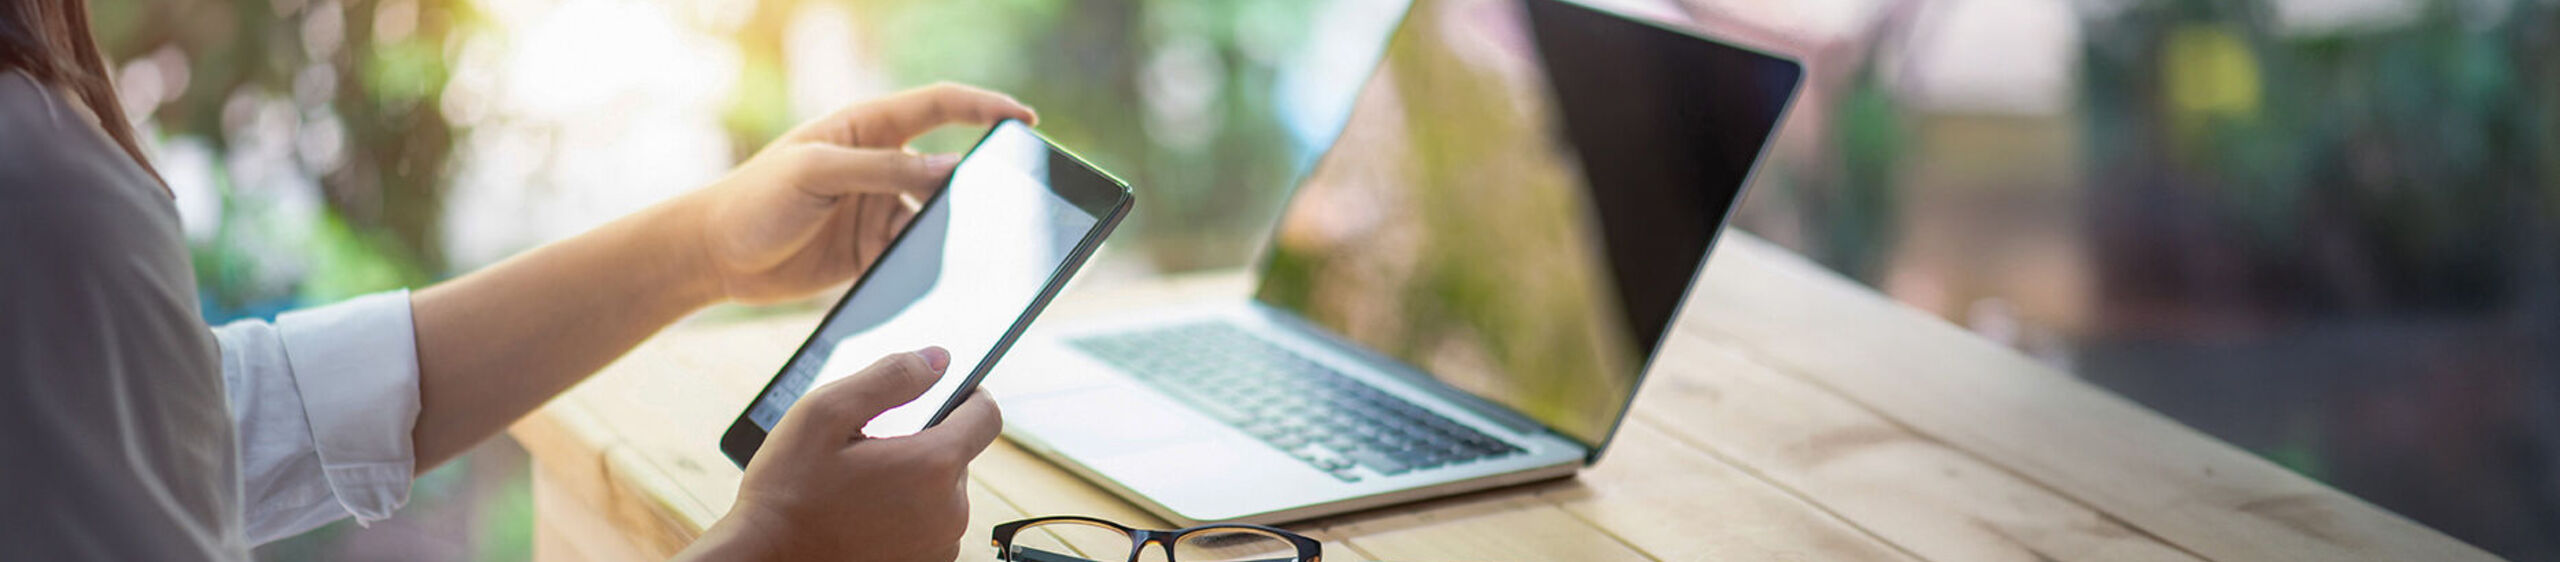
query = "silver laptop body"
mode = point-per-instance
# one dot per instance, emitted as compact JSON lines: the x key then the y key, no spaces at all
{"x":1434,"y":316}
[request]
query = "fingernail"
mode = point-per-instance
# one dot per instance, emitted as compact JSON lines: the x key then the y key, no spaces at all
{"x":941,"y":161}
{"x":936,"y":357}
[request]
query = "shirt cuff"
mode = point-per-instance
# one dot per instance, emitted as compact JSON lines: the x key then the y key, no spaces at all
{"x":356,"y":365}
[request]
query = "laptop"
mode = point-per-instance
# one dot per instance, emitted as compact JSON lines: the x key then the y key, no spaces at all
{"x":1464,"y":292}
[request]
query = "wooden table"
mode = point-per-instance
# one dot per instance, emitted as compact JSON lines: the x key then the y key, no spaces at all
{"x":1795,"y":415}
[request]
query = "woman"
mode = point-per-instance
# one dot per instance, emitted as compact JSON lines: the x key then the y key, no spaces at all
{"x":132,"y":432}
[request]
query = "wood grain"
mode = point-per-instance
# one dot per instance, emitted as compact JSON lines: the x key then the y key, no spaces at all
{"x":2155,"y":475}
{"x":1676,"y":502}
{"x":1920,"y":494}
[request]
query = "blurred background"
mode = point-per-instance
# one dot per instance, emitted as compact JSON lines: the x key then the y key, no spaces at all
{"x":2327,"y":231}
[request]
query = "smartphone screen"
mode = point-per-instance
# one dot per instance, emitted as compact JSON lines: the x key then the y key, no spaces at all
{"x":968,"y":274}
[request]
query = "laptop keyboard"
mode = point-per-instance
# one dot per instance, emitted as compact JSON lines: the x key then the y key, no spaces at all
{"x":1301,"y":407}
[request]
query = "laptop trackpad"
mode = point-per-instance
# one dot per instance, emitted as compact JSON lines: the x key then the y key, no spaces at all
{"x":1110,"y":420}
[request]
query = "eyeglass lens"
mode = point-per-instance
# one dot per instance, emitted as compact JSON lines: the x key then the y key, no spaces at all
{"x":1069,"y":541}
{"x":1073,"y":541}
{"x":1233,"y":545}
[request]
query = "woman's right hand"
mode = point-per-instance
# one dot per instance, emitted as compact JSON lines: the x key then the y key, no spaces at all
{"x":820,"y":490}
{"x":813,"y":209}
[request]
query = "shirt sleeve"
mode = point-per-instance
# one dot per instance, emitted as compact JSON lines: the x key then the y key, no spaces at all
{"x":324,"y":400}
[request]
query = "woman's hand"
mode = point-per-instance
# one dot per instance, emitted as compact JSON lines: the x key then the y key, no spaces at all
{"x":818,"y":205}
{"x":820,"y":490}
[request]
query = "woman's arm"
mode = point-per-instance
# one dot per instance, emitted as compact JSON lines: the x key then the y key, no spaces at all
{"x":496,"y":343}
{"x":807,"y":212}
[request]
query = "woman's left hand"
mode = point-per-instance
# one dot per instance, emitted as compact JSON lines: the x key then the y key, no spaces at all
{"x":818,"y":205}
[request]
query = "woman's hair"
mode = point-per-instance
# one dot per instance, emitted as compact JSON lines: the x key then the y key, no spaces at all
{"x":51,"y":40}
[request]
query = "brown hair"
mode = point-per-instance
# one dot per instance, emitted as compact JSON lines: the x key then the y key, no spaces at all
{"x":51,"y":40}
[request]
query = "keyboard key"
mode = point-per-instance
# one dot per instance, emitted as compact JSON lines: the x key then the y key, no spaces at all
{"x":1332,"y":463}
{"x":1378,"y":462}
{"x":1433,"y":460}
{"x":1338,"y":442}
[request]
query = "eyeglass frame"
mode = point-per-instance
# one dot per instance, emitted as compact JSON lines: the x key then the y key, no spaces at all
{"x":1309,"y":550}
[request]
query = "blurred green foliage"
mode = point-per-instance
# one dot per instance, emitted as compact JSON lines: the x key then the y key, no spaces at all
{"x":2363,"y":167}
{"x":1211,"y":165}
{"x":379,"y":179}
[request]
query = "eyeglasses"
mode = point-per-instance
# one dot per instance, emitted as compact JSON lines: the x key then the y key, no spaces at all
{"x":1070,"y":538}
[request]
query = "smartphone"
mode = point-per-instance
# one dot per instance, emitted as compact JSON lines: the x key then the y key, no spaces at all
{"x":978,"y":262}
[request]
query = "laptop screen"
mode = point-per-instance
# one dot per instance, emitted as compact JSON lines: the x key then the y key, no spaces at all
{"x":1521,"y":197}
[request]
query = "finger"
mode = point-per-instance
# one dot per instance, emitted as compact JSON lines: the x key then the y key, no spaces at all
{"x":901,"y":117}
{"x":967,"y":431}
{"x":836,"y":412}
{"x":830,"y":171}
{"x":875,"y":219}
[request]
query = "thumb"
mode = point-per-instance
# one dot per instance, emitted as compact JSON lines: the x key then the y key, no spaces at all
{"x":969,"y":429}
{"x":831,"y":171}
{"x":836,"y":412}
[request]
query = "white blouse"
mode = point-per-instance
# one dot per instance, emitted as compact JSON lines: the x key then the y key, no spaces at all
{"x":323,"y":400}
